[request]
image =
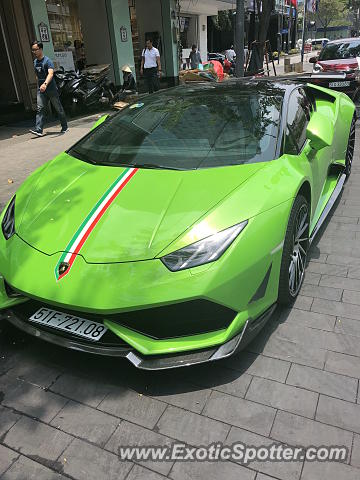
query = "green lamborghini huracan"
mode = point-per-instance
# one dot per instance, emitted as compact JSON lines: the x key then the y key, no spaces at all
{"x":169,"y":233}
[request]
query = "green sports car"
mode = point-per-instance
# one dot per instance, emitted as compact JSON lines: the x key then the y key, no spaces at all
{"x":169,"y":233}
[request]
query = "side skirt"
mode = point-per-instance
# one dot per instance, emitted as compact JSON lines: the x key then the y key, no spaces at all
{"x":328,"y":206}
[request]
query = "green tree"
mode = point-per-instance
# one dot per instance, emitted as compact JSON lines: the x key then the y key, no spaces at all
{"x":330,"y":12}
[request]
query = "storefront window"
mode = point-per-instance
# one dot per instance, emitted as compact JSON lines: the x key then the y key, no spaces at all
{"x":66,"y":33}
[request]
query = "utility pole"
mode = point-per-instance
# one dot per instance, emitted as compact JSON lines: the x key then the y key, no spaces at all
{"x":303,"y":32}
{"x":239,"y":38}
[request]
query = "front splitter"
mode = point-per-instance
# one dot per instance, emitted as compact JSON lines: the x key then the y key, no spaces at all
{"x":151,"y":362}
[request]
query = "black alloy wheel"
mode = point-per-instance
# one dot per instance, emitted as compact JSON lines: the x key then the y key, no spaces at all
{"x":296,"y":244}
{"x":350,"y":148}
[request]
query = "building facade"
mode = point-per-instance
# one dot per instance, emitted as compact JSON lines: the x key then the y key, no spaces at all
{"x":87,"y":32}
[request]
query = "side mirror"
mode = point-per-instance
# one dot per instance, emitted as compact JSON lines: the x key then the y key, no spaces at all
{"x":99,"y":121}
{"x":320,"y":131}
{"x":313,"y":59}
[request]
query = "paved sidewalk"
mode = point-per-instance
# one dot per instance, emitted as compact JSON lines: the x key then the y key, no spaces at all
{"x":64,"y":415}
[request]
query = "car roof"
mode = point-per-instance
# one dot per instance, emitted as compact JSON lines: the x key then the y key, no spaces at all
{"x":345,"y":40}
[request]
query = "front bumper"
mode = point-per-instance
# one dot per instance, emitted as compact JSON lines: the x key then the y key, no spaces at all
{"x":151,"y":362}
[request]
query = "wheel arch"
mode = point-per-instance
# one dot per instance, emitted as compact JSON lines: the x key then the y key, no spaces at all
{"x":305,"y":190}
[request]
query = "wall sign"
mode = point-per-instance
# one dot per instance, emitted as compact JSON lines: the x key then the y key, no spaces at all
{"x":123,"y":34}
{"x":65,"y":59}
{"x":44,"y":32}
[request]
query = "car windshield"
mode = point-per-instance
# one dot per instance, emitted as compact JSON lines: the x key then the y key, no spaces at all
{"x":188,"y":129}
{"x":339,"y":51}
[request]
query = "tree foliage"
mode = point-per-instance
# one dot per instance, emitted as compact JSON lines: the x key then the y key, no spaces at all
{"x":329,"y":13}
{"x":223,"y":20}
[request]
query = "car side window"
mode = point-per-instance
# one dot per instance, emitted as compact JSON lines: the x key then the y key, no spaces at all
{"x":299,"y":111}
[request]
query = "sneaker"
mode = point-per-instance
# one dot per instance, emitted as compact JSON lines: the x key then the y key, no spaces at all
{"x":64,"y":130}
{"x":37,"y":133}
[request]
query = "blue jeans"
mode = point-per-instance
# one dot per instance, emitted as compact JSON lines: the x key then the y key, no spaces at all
{"x":43,"y":100}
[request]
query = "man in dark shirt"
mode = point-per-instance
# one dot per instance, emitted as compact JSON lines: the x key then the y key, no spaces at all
{"x":47,"y":91}
{"x":195,"y":57}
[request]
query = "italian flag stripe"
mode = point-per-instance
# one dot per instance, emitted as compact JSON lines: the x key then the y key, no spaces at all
{"x":88,"y":225}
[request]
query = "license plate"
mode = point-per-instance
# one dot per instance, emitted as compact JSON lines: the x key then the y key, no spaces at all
{"x":339,"y":84}
{"x":69,"y":323}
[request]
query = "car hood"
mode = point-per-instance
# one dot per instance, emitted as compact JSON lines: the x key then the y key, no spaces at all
{"x":339,"y":64}
{"x":150,"y":209}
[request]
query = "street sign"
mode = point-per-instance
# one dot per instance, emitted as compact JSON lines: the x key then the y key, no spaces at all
{"x":284,"y":31}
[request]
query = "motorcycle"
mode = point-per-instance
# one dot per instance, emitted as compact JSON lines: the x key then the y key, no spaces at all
{"x":82,"y":91}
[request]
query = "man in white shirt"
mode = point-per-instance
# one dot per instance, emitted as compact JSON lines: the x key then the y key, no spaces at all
{"x":151,"y":66}
{"x":230,"y":54}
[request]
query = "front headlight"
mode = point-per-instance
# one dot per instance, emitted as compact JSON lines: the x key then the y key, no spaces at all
{"x":8,"y":222}
{"x":204,"y":251}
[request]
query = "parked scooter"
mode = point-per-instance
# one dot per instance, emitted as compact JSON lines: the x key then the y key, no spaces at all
{"x":80,"y":91}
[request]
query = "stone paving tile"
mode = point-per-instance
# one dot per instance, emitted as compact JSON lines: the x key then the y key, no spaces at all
{"x":343,"y":227}
{"x":7,"y":420}
{"x":354,"y":272}
{"x":344,"y":219}
{"x":339,"y":413}
{"x":183,"y":395}
{"x":312,"y":278}
{"x":26,"y":469}
{"x":260,"y":366}
{"x":321,"y":292}
{"x":7,"y":458}
{"x":329,"y":471}
{"x":336,"y":308}
{"x":309,"y":319}
{"x":291,"y":351}
{"x":347,"y":326}
{"x":326,"y":269}
{"x":88,"y":462}
{"x":295,"y":430}
{"x":343,"y":364}
{"x":219,"y":378}
{"x":355,"y":454}
{"x":303,"y":302}
{"x":240,"y":413}
{"x":210,"y":471}
{"x":128,"y":434}
{"x":190,"y":427}
{"x":281,"y":470}
{"x":351,"y":296}
{"x":34,"y":371}
{"x":283,"y":397}
{"x":29,"y":399}
{"x":320,"y":381}
{"x":35,"y":439}
{"x":346,"y":260}
{"x":84,"y":390}
{"x":135,"y":407}
{"x":342,"y":283}
{"x":85,"y":422}
{"x":320,"y":339}
{"x":261,"y":476}
{"x":316,"y":256}
{"x":339,"y":235}
{"x":140,"y":473}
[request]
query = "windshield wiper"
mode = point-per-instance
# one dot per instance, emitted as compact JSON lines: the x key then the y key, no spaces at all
{"x":153,"y":166}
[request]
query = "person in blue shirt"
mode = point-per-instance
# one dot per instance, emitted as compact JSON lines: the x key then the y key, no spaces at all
{"x":47,"y":90}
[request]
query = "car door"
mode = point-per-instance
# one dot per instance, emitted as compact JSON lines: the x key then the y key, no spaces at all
{"x":300,"y":109}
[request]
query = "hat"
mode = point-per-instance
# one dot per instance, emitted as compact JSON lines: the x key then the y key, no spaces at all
{"x":126,"y":68}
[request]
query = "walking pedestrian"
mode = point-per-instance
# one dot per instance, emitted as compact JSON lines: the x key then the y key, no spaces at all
{"x":195,"y":58}
{"x":151,"y":66}
{"x":47,"y":91}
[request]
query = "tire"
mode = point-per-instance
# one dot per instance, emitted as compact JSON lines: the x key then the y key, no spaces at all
{"x":350,"y":148}
{"x":295,"y":249}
